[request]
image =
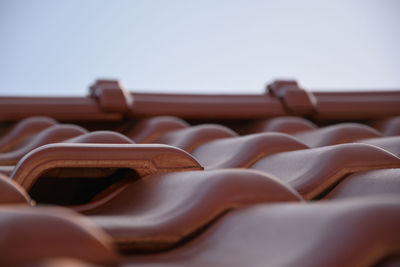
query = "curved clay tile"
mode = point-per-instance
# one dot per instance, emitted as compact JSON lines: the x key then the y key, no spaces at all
{"x":360,"y":232}
{"x":96,"y":137}
{"x":11,"y":192}
{"x":368,"y":183}
{"x":100,"y":137}
{"x":288,"y":125}
{"x":389,"y":127}
{"x":190,"y":138}
{"x":143,"y":159}
{"x":243,"y":151}
{"x":391,"y":144}
{"x":23,"y":130}
{"x":314,"y":171}
{"x":163,"y":209}
{"x":149,"y":130}
{"x":337,"y":134}
{"x":52,"y":134}
{"x":37,"y":234}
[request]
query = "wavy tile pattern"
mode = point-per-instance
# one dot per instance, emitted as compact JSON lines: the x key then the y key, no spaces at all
{"x":162,"y":210}
{"x":256,"y":236}
{"x":201,"y":193}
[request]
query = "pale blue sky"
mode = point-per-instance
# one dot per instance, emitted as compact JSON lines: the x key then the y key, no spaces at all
{"x":51,"y":47}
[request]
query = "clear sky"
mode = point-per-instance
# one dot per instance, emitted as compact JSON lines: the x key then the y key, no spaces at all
{"x":51,"y":47}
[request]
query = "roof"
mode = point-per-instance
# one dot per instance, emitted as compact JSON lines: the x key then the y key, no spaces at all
{"x":290,"y":177}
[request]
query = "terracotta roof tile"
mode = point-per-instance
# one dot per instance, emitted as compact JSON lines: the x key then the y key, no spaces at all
{"x":313,"y":171}
{"x":149,"y":130}
{"x":337,"y":134}
{"x":287,"y":124}
{"x":11,"y":192}
{"x":23,"y":130}
{"x":390,"y":126}
{"x":100,"y":137}
{"x":162,"y":210}
{"x":391,"y":144}
{"x":368,"y":183}
{"x":52,"y":134}
{"x":192,"y":137}
{"x":201,"y":179}
{"x":36,"y":234}
{"x":336,"y":233}
{"x":244,"y":151}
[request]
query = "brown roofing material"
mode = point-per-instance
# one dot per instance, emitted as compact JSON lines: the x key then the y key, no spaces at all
{"x":22,"y":131}
{"x":59,"y":108}
{"x":201,"y":106}
{"x":312,"y":172}
{"x":144,"y":215}
{"x":286,"y":124}
{"x":164,"y":209}
{"x":52,"y":134}
{"x":149,"y":130}
{"x":391,"y":143}
{"x":100,"y":137}
{"x":96,"y":137}
{"x":143,"y":159}
{"x":11,"y":192}
{"x":152,"y":198}
{"x":111,"y":97}
{"x":108,"y":101}
{"x":368,"y":183}
{"x":295,"y":100}
{"x":388,"y":126}
{"x":35,"y":235}
{"x":334,"y":233}
{"x":244,"y":151}
{"x":6,"y":169}
{"x":357,"y":105}
{"x":337,"y":134}
{"x":190,"y":138}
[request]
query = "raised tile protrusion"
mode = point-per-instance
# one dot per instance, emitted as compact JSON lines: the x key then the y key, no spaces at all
{"x":38,"y":234}
{"x":111,"y":97}
{"x":160,"y":211}
{"x":24,"y":130}
{"x":190,"y":138}
{"x":312,"y":172}
{"x":143,"y":159}
{"x":296,"y":100}
{"x":276,"y":86}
